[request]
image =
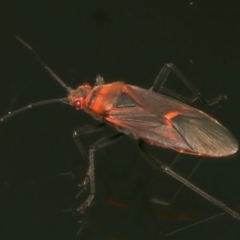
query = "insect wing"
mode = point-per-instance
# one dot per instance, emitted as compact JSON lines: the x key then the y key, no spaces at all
{"x":147,"y":126}
{"x":166,"y":122}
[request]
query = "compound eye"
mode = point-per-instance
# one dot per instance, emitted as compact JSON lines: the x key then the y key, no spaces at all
{"x":77,"y":104}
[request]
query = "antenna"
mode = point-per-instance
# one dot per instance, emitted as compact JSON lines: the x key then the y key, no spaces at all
{"x":51,"y":72}
{"x":33,"y":105}
{"x":48,"y":69}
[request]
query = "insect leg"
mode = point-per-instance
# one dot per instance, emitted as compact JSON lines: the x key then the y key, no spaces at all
{"x":187,"y":178}
{"x":85,"y":130}
{"x":99,"y":80}
{"x":193,"y":224}
{"x":213,"y":200}
{"x":177,"y":158}
{"x":90,"y":173}
{"x":157,"y":163}
{"x":162,"y":78}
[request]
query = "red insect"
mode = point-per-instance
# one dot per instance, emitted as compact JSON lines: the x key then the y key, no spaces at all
{"x":148,"y":115}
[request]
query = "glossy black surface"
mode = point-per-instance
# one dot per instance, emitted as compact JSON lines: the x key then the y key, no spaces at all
{"x":121,"y":40}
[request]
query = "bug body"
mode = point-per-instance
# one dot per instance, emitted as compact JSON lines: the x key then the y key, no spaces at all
{"x":157,"y":119}
{"x":148,"y":115}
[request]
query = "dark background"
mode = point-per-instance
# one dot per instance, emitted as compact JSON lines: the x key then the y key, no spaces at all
{"x":121,"y":40}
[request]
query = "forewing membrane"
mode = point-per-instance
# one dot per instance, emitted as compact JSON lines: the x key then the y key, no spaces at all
{"x":166,"y":122}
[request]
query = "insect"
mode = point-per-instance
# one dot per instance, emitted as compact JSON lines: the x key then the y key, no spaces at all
{"x":155,"y":118}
